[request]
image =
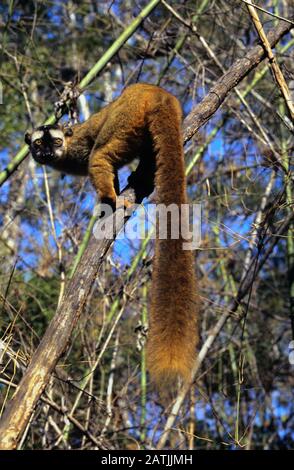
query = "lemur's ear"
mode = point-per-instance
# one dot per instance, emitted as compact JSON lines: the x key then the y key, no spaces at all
{"x":28,"y":138}
{"x":68,"y":132}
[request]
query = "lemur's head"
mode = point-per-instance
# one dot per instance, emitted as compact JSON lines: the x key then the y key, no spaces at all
{"x":47,"y":143}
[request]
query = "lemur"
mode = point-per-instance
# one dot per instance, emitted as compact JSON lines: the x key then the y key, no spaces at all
{"x":144,"y":122}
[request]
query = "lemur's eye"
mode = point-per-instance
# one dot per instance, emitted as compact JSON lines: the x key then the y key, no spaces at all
{"x":58,"y":142}
{"x":38,"y":142}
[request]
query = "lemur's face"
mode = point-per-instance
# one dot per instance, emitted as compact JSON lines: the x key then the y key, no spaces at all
{"x":47,"y":144}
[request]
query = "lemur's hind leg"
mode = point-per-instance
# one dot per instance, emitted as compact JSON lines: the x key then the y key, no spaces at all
{"x":142,"y":179}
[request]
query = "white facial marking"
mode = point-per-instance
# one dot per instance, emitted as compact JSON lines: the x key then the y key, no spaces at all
{"x":56,"y":134}
{"x":58,"y":152}
{"x":37,"y":135}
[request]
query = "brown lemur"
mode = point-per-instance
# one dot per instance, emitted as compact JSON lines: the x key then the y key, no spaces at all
{"x":143,"y":122}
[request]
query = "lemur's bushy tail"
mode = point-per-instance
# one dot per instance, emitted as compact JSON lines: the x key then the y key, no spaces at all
{"x":173,"y":335}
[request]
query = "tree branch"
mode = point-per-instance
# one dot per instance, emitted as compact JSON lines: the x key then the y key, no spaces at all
{"x":208,"y":106}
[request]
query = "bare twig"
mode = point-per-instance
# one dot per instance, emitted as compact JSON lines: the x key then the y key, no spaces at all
{"x":248,"y":2}
{"x":277,"y":73}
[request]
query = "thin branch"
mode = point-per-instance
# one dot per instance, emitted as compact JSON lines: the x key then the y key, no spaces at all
{"x":248,"y":2}
{"x":277,"y":73}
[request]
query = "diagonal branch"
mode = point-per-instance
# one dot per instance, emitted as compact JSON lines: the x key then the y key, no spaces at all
{"x":208,"y":106}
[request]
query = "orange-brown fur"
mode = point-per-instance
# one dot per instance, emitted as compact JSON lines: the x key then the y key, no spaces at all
{"x":145,"y":122}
